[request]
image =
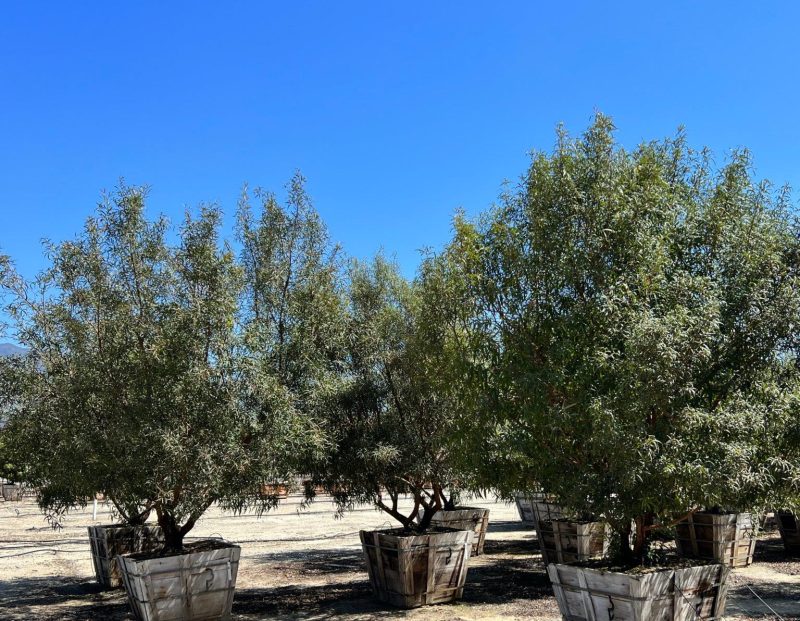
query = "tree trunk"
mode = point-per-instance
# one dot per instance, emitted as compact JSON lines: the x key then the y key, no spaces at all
{"x":643,"y":527}
{"x":634,"y":555}
{"x":427,"y":517}
{"x":173,"y":533}
{"x":431,"y":508}
{"x":623,"y":535}
{"x":140,"y":518}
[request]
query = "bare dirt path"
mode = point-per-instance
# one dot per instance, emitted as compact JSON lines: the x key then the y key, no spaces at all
{"x":304,"y":564}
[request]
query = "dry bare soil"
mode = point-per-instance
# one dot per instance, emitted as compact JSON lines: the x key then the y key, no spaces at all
{"x":304,"y":564}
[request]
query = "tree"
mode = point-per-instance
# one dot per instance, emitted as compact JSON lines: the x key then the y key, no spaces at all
{"x":632,"y":321}
{"x":136,"y":386}
{"x":387,"y":423}
{"x":10,"y":388}
{"x":291,"y":313}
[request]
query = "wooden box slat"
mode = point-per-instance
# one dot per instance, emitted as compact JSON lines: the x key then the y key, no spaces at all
{"x":417,"y":570}
{"x":12,"y":492}
{"x":684,"y":594}
{"x":196,"y":586}
{"x":109,"y":541}
{"x":466,"y":518}
{"x":725,"y":538}
{"x":524,"y":503}
{"x":562,"y":541}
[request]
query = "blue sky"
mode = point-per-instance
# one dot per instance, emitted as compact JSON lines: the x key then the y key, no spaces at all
{"x":397,"y":114}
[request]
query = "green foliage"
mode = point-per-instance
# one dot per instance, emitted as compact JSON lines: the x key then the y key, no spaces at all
{"x":9,"y":391}
{"x":630,"y":325}
{"x":8,"y":468}
{"x":388,"y":424}
{"x":292,"y":317}
{"x":137,"y":385}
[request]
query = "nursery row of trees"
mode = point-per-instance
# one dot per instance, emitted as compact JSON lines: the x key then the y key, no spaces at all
{"x":621,"y":330}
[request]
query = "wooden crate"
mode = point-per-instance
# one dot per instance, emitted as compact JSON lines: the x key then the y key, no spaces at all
{"x":728,"y":538}
{"x":12,"y":491}
{"x":546,"y":510}
{"x":524,"y":504}
{"x":562,"y":541}
{"x":768,"y":522}
{"x":409,"y":570}
{"x":789,"y":526}
{"x":466,"y":518}
{"x":278,"y":490}
{"x":193,"y":586}
{"x":111,"y":540}
{"x":684,"y":594}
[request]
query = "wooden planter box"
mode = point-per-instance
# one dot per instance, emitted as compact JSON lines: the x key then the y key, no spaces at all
{"x":768,"y":522}
{"x":109,"y":541}
{"x":525,"y":503}
{"x":728,"y":538}
{"x":275,"y":489}
{"x":466,"y":518}
{"x":544,"y":511}
{"x":12,"y":491}
{"x":409,"y":570}
{"x":192,"y":586}
{"x":308,"y":485}
{"x":562,"y":541}
{"x":789,"y":526}
{"x":683,"y":594}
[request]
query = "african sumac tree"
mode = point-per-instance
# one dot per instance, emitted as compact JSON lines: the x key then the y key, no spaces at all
{"x":387,"y":423}
{"x":636,"y":315}
{"x":292,"y":319}
{"x":136,"y":387}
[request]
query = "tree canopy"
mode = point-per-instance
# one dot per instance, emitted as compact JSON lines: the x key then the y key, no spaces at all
{"x":136,"y":385}
{"x":621,"y":329}
{"x":631,"y":322}
{"x":388,"y":425}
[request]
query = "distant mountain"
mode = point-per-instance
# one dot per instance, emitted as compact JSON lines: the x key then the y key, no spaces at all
{"x":7,"y":349}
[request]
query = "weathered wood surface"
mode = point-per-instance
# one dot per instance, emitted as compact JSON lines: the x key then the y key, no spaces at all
{"x":768,"y":522}
{"x":684,"y":594}
{"x":727,"y":538}
{"x":562,"y":541}
{"x":109,"y":541}
{"x":12,"y":492}
{"x":417,"y":570}
{"x":466,"y":518}
{"x":789,"y":526}
{"x":525,"y":504}
{"x":197,"y":586}
{"x":545,"y":511}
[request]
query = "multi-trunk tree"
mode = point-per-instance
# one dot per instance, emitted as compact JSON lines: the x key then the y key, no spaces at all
{"x":629,"y":328}
{"x":291,"y":318}
{"x":388,"y":424}
{"x":138,"y":382}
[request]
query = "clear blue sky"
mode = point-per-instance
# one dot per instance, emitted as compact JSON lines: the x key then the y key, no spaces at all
{"x":397,"y":114}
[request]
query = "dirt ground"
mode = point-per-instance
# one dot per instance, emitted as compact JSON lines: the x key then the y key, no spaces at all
{"x":307,"y":565}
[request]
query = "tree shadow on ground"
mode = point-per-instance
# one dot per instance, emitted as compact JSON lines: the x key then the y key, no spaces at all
{"x":514,"y":547}
{"x":770,"y":549}
{"x":314,"y":602}
{"x":511,"y":526}
{"x":35,"y":598}
{"x":763,"y":600}
{"x":316,"y":562}
{"x":490,"y":581}
{"x":503,"y":581}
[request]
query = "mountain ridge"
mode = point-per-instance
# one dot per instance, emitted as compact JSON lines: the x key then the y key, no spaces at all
{"x":9,"y":349}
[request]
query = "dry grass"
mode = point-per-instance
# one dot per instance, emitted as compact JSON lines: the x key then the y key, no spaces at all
{"x":308,"y":565}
